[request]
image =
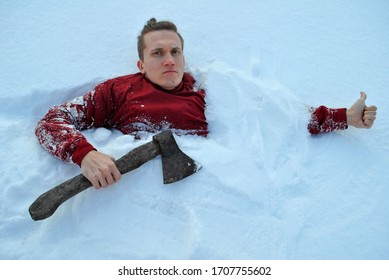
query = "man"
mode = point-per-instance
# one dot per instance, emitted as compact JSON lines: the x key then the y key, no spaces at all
{"x":161,"y":96}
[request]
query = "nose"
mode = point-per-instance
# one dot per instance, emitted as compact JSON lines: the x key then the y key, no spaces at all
{"x":169,"y":60}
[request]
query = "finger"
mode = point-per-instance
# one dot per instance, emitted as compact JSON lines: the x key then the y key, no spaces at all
{"x":93,"y":179}
{"x":369,"y":115}
{"x":97,"y":185}
{"x":363,"y":96}
{"x":110,"y":179}
{"x":116,"y":175}
{"x":102,"y":181}
{"x":368,"y":119}
{"x":369,"y":112}
{"x":113,"y":175}
{"x":95,"y":182}
{"x":368,"y":123}
{"x":371,"y":108}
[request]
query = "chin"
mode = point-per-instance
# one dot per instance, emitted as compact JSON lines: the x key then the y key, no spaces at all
{"x":170,"y":85}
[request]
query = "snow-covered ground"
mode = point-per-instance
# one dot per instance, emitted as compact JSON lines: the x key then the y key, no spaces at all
{"x":267,"y":189}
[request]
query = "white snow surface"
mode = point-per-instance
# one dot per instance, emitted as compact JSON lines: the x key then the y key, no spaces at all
{"x":267,"y":189}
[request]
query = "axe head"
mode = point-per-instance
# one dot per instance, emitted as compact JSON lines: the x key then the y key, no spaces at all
{"x":176,"y":165}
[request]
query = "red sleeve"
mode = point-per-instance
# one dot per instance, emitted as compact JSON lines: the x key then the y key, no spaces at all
{"x":325,"y":119}
{"x":59,"y":132}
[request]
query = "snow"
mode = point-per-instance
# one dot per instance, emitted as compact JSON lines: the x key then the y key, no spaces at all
{"x":266,"y":190}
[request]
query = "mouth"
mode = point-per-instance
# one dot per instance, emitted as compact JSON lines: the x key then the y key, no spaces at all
{"x":170,"y":72}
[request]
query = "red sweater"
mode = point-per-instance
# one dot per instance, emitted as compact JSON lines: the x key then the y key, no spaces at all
{"x":130,"y":104}
{"x":324,"y":119}
{"x":133,"y":104}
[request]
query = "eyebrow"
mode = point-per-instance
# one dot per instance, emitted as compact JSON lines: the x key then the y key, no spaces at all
{"x":160,"y":49}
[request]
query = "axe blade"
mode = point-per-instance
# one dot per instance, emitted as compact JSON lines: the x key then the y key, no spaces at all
{"x":176,"y":165}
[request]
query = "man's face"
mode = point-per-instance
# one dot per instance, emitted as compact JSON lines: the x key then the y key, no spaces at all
{"x":163,"y":59}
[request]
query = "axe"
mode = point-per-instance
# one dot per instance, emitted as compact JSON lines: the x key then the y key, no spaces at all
{"x":176,"y":165}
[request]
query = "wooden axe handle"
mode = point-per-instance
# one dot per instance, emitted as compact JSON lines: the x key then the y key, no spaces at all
{"x":46,"y":204}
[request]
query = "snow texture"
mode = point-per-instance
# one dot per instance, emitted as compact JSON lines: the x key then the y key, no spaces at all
{"x":267,"y":189}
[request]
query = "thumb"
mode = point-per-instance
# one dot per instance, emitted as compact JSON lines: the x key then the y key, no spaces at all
{"x":363,"y":96}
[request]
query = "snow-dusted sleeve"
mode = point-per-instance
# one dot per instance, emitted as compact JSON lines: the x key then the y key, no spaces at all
{"x":59,"y":132}
{"x":325,"y":119}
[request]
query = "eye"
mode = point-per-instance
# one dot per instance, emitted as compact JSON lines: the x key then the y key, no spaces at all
{"x":176,"y":52}
{"x":156,"y":53}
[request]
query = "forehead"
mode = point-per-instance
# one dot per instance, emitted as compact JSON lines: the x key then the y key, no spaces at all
{"x":161,"y":38}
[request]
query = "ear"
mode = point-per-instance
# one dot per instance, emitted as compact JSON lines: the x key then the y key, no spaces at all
{"x":141,"y":66}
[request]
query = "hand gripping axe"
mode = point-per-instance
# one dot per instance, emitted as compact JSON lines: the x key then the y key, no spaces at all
{"x":176,"y":165}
